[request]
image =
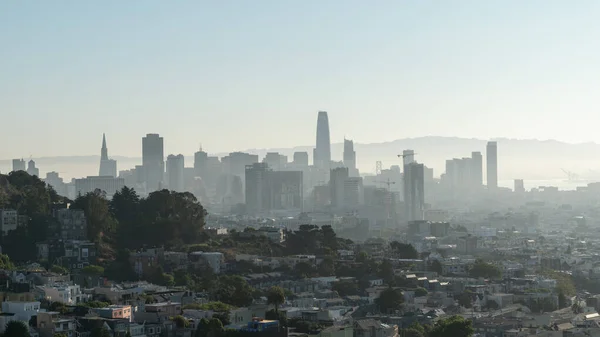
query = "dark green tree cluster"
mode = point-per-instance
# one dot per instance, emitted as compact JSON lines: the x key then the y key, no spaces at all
{"x":390,"y":300}
{"x":33,"y":200}
{"x":454,"y":326}
{"x":483,"y":269}
{"x":403,"y":250}
{"x":310,"y":239}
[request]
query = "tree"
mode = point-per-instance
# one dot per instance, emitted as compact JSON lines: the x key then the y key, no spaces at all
{"x":404,"y":250}
{"x":386,"y":272}
{"x":455,"y":326}
{"x":92,"y":270}
{"x":5,"y":262}
{"x":389,"y":300}
{"x":345,"y":288}
{"x":326,"y":267}
{"x":465,"y":299}
{"x":180,"y":322}
{"x":234,"y":290}
{"x":304,"y":269}
{"x":59,"y":269}
{"x":436,"y":266}
{"x":485,"y":270}
{"x":276,"y":297}
{"x":421,"y":292}
{"x":410,"y":333}
{"x":277,"y":316}
{"x":16,"y":329}
{"x":97,"y":213}
{"x":100,"y":332}
{"x":562,"y":300}
{"x":362,"y":257}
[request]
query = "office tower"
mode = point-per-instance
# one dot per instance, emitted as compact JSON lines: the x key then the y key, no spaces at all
{"x":108,"y":167}
{"x":235,"y":163}
{"x":54,"y":180}
{"x":18,"y":165}
{"x":519,"y":186}
{"x":322,"y":152}
{"x":286,"y":190}
{"x":491,"y":155}
{"x":257,"y":187}
{"x":153,"y":160}
{"x":353,"y":192}
{"x":350,"y":158}
{"x":108,"y":185}
{"x":200,"y":163}
{"x":276,"y":161}
{"x":300,"y":159}
{"x":408,"y":156}
{"x":414,"y":191}
{"x":477,"y":169}
{"x":337,"y":179}
{"x":175,"y":172}
{"x":31,"y":169}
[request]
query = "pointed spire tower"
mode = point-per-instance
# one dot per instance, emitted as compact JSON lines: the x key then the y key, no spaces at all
{"x":104,"y":151}
{"x":108,"y":167}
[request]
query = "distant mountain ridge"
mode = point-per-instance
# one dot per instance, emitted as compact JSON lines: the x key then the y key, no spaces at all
{"x":517,"y":158}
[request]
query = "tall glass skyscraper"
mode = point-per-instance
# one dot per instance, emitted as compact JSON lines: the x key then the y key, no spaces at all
{"x":491,"y":156}
{"x":322,"y":152}
{"x":153,"y":161}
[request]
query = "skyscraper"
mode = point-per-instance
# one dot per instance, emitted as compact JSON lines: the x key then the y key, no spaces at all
{"x":350,"y":158}
{"x":337,"y":179}
{"x":414,"y":191}
{"x":108,"y":167}
{"x":257,"y":187}
{"x":175,"y":174}
{"x":200,"y":162}
{"x":18,"y":165}
{"x":153,"y":161}
{"x":408,"y":156}
{"x":31,"y":169}
{"x":322,"y":152}
{"x":491,"y":155}
{"x":477,"y":168}
{"x":300,"y":158}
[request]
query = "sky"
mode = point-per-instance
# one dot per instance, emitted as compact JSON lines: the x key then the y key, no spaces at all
{"x":241,"y":74}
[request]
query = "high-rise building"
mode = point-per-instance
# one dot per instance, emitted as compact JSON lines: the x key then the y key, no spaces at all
{"x":175,"y":172}
{"x":337,"y":180}
{"x":519,"y":186}
{"x":18,"y":165}
{"x":108,"y":167}
{"x":350,"y":158}
{"x":200,"y":163}
{"x":153,"y":161}
{"x":31,"y":169}
{"x":322,"y":151}
{"x":491,"y":155}
{"x":477,"y":168}
{"x":414,"y":191}
{"x":353,"y":192}
{"x":257,"y":187}
{"x":408,"y":156}
{"x":108,"y":185}
{"x":300,"y":159}
{"x":286,"y":190}
{"x":276,"y":161}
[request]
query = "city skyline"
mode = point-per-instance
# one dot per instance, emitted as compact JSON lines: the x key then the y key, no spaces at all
{"x":64,"y":60}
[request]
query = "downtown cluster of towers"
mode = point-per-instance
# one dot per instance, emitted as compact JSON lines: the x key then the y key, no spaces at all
{"x":276,"y":183}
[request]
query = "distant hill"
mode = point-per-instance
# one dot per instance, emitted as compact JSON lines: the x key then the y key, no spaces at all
{"x":527,"y":159}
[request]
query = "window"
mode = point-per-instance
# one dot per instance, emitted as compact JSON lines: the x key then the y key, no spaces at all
{"x":84,"y":252}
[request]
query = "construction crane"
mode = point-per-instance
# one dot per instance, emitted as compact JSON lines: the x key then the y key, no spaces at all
{"x":406,"y":155}
{"x":570,"y":175}
{"x":388,"y":182}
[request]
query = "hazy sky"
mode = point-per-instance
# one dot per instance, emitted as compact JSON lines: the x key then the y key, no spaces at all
{"x":245,"y":74}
